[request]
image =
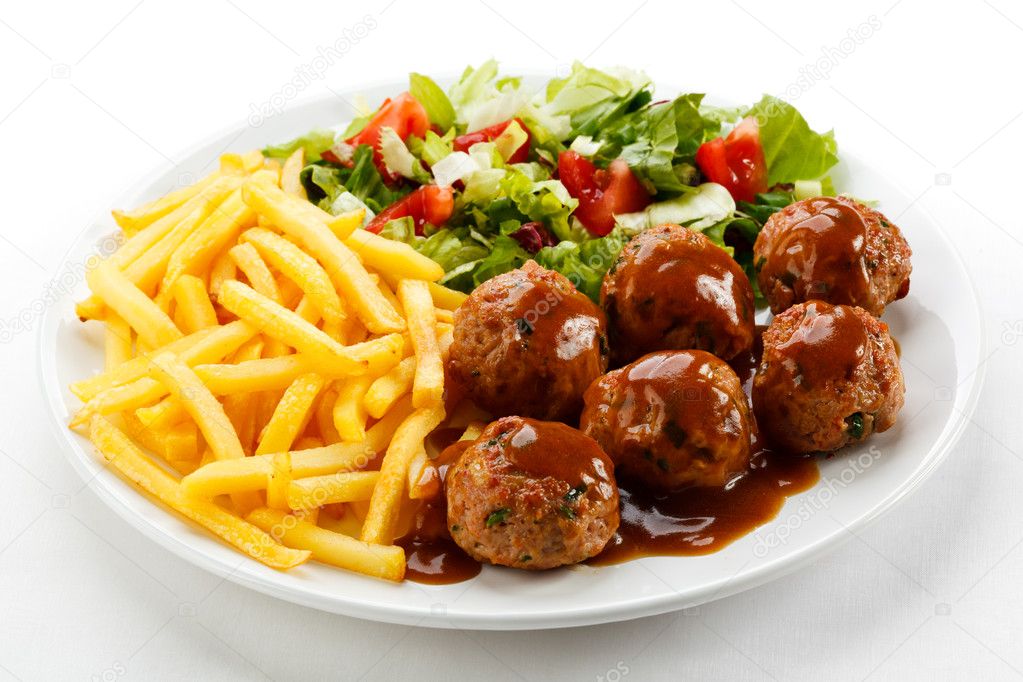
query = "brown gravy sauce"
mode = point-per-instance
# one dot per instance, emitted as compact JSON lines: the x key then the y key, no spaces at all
{"x":687,"y":522}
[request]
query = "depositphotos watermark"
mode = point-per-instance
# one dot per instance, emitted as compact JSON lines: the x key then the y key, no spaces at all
{"x":817,"y":501}
{"x":70,"y":276}
{"x":311,"y":71}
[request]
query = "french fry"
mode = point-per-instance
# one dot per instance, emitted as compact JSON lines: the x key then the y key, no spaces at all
{"x":181,"y":443}
{"x":250,"y":473}
{"x":130,"y":370}
{"x":423,"y":477}
{"x":344,"y":486}
{"x":285,"y":325}
{"x":221,"y":270}
{"x":300,"y":268}
{"x":407,"y":440}
{"x":193,"y":304}
{"x":135,"y":220}
{"x":291,"y":415}
{"x":446,"y":298}
{"x":290,"y":181}
{"x":325,"y":416}
{"x":445,"y":316}
{"x":144,"y":391}
{"x":255,"y":270}
{"x":347,"y":523}
{"x":151,"y":324}
{"x":279,"y":481}
{"x":309,"y":225}
{"x":349,"y":413}
{"x":216,"y":232}
{"x":380,"y":561}
{"x":116,"y":343}
{"x":398,"y":259}
{"x":386,"y":390}
{"x":428,"y":386}
{"x":119,"y":451}
{"x":209,"y":415}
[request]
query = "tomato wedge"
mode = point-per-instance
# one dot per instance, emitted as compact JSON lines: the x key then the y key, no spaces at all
{"x":601,"y":193}
{"x":404,"y":114}
{"x":736,"y":161}
{"x":520,"y":155}
{"x":431,"y":204}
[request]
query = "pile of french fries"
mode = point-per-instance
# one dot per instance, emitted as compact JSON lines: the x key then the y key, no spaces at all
{"x":271,"y":371}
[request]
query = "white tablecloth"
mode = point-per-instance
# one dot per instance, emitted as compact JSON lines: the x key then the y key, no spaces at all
{"x":93,"y":94}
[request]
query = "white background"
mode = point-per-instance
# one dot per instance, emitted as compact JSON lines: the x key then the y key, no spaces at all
{"x":91,"y":96}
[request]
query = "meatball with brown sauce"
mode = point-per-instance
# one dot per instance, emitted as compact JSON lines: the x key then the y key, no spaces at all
{"x":832,"y":249}
{"x":671,"y":419}
{"x":533,"y":495}
{"x":527,"y":342}
{"x":829,"y":376}
{"x":672,"y":288}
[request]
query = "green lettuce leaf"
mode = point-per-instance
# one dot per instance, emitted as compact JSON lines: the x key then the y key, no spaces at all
{"x":593,"y":99}
{"x":585,"y":263}
{"x":315,"y":143}
{"x":431,"y":96}
{"x":791,"y":149}
{"x":324,"y":182}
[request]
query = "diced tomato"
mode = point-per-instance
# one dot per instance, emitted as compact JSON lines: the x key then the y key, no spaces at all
{"x":404,"y":114}
{"x":601,"y":193}
{"x":521,"y":155}
{"x":428,"y":204}
{"x":736,"y":161}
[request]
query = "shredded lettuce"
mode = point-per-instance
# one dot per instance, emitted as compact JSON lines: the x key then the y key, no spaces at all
{"x":586,"y":262}
{"x":315,"y":143}
{"x":324,"y":182}
{"x":706,"y":205}
{"x":592,"y":99}
{"x":791,"y":149}
{"x":398,"y":159}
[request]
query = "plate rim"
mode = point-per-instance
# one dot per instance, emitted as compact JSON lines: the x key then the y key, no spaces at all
{"x":397,"y":613}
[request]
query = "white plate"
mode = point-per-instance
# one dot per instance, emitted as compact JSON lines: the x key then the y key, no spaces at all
{"x":938,"y":326}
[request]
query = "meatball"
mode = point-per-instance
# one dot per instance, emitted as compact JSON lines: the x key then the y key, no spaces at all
{"x":832,"y":249}
{"x":673,"y":289}
{"x":829,"y":376}
{"x":533,"y":495}
{"x":527,"y":342}
{"x":671,"y":419}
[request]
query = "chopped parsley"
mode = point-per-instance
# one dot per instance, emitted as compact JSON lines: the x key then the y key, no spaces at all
{"x":567,"y":512}
{"x":575,"y":493}
{"x":854,"y":425}
{"x":497,"y":516}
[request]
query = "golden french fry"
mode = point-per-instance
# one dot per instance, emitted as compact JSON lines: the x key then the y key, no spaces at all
{"x":250,"y":473}
{"x":428,"y":386}
{"x":181,"y":442}
{"x":221,"y":269}
{"x":147,"y":214}
{"x":325,"y":416}
{"x":291,"y":415}
{"x":116,"y":343}
{"x":290,"y":181}
{"x":386,"y":390}
{"x":279,"y":482}
{"x":130,"y":370}
{"x":254,"y":268}
{"x":407,"y":440}
{"x":151,"y":324}
{"x":380,"y":561}
{"x":197,"y":251}
{"x":300,"y":268}
{"x":444,"y":316}
{"x":118,"y":450}
{"x":349,"y":412}
{"x":446,"y":298}
{"x":286,"y":326}
{"x":193,"y":304}
{"x":347,"y":523}
{"x":343,"y":486}
{"x":423,"y":477}
{"x":207,"y":412}
{"x":308,"y":225}
{"x":398,"y":259}
{"x":144,"y":390}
